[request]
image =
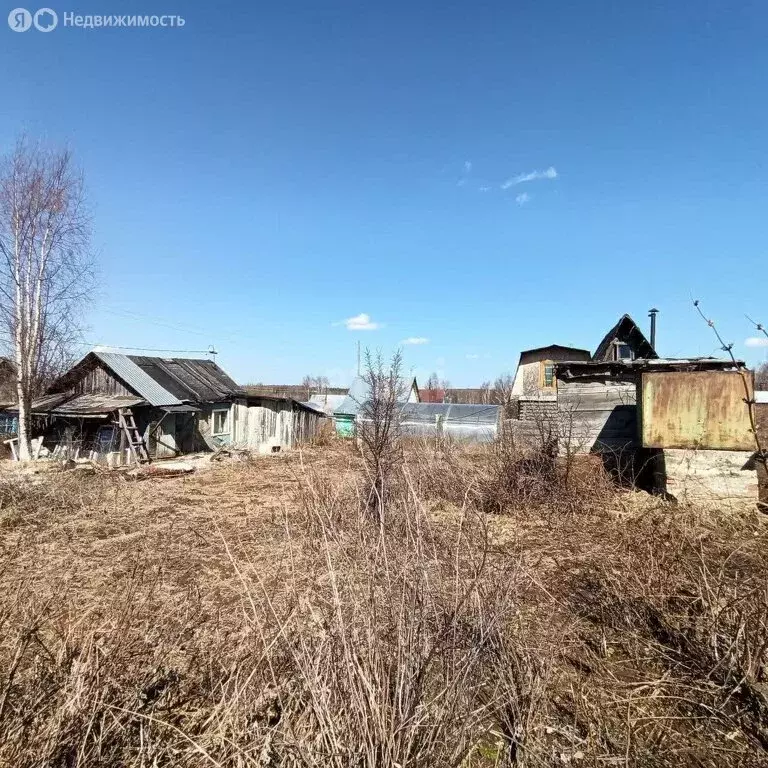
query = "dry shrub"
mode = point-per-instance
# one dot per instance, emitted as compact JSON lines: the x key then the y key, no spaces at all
{"x":325,"y":435}
{"x":412,"y":655}
{"x":258,"y":616}
{"x":670,"y":667}
{"x":352,"y":643}
{"x":502,"y":478}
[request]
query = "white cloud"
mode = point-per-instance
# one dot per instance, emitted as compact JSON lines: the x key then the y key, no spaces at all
{"x":461,"y":182}
{"x":756,"y":341}
{"x":484,"y":189}
{"x":467,"y":166}
{"x":415,"y":340}
{"x":473,"y":357}
{"x":361,"y":322}
{"x":522,"y":198}
{"x":550,"y":173}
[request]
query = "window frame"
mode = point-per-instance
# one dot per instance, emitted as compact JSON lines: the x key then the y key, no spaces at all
{"x":543,"y":375}
{"x":226,"y":429}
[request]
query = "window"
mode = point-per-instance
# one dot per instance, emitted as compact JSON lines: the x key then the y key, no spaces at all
{"x":220,"y":422}
{"x":8,"y":425}
{"x":547,"y":374}
{"x":624,"y":352}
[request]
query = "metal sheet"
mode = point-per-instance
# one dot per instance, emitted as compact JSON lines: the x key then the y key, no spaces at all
{"x":137,"y":379}
{"x":696,"y":409}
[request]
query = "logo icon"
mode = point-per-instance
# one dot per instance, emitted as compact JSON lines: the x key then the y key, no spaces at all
{"x":20,"y":19}
{"x":46,"y":20}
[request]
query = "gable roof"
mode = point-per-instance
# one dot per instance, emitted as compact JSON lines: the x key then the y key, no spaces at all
{"x":359,"y":393}
{"x":555,"y":350}
{"x":628,"y":332}
{"x":189,"y":379}
{"x":163,"y":381}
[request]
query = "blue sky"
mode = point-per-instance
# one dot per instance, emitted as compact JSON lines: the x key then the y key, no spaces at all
{"x":488,"y":176}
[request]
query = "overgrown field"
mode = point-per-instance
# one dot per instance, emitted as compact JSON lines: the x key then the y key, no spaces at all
{"x":503,"y":611}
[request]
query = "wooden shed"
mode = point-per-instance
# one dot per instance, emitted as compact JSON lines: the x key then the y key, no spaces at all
{"x":697,"y":402}
{"x":178,"y":405}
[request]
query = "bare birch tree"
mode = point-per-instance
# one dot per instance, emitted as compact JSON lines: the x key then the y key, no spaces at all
{"x":379,"y":426}
{"x":45,"y":265}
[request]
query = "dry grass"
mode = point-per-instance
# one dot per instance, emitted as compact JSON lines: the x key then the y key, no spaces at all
{"x":254,"y":615}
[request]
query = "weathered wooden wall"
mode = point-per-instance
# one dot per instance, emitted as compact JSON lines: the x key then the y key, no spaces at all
{"x":696,"y":409}
{"x":97,"y":379}
{"x":597,"y":412}
{"x":264,"y":425}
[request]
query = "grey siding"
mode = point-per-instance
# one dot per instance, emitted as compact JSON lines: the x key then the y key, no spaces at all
{"x":595,"y":412}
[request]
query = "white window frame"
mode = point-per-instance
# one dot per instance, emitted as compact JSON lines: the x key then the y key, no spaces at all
{"x":226,"y":430}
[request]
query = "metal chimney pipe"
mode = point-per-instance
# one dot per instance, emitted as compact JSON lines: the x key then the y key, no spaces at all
{"x":652,"y":314}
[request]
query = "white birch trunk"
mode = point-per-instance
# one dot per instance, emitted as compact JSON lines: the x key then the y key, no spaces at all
{"x":43,"y":265}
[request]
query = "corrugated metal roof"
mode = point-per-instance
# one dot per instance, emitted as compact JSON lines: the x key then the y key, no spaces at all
{"x":328,"y":403}
{"x":137,"y":379}
{"x":191,"y":379}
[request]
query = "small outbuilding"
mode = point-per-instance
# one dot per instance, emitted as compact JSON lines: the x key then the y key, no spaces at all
{"x":681,"y":426}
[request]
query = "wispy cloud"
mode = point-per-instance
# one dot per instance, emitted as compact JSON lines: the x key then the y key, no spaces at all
{"x":756,"y":341}
{"x":415,"y":340}
{"x":467,"y":166}
{"x":473,"y":357}
{"x":549,"y":173}
{"x":484,"y":189}
{"x":361,"y":322}
{"x":522,"y":198}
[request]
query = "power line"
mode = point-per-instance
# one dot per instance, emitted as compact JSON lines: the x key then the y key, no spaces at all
{"x":210,"y":351}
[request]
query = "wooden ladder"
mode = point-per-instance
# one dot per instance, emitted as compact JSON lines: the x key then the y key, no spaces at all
{"x":127,"y":423}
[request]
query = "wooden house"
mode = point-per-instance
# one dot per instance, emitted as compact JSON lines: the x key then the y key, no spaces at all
{"x":178,"y":405}
{"x":534,"y":392}
{"x":625,"y":341}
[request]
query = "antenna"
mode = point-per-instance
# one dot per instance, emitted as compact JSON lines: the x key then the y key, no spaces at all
{"x":212,"y":352}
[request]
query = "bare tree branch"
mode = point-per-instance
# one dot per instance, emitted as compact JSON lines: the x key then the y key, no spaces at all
{"x":749,"y":398}
{"x":46,"y":271}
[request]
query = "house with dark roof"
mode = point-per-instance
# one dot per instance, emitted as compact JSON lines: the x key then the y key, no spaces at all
{"x":625,"y":341}
{"x":179,"y":405}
